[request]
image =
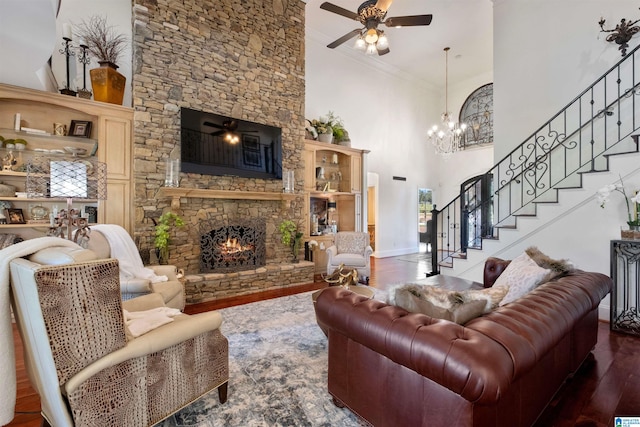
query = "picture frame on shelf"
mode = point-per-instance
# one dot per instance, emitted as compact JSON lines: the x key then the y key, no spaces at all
{"x":80,"y":128}
{"x":15,"y":216}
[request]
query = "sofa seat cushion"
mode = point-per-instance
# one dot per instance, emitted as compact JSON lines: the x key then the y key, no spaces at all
{"x":352,"y":260}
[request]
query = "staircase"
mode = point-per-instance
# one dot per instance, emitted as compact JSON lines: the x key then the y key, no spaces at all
{"x":562,"y":159}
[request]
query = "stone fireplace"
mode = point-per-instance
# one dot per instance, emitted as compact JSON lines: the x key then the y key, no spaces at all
{"x":236,"y":246}
{"x":213,"y":56}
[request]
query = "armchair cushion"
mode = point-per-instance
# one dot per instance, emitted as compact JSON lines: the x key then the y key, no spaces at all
{"x":79,"y":301}
{"x":352,"y":242}
{"x":352,"y":260}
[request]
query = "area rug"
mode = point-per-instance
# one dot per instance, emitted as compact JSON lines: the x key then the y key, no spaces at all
{"x":277,"y":371}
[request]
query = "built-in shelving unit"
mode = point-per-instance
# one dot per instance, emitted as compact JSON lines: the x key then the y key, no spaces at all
{"x":109,"y":142}
{"x":333,"y":177}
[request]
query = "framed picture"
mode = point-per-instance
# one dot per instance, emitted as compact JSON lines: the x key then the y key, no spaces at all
{"x":251,"y":155}
{"x":81,"y":128}
{"x":15,"y":216}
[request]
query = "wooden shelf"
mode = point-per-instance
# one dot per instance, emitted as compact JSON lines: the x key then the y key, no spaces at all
{"x":201,"y":193}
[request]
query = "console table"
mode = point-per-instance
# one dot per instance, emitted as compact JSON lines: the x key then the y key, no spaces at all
{"x":625,"y":295}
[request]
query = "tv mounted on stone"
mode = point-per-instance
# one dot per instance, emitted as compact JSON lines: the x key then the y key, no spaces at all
{"x":212,"y":144}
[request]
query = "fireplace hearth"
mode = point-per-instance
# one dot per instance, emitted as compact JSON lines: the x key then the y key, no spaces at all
{"x":236,"y":246}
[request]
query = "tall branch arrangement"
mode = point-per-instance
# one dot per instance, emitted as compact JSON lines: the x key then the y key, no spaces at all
{"x":103,"y":41}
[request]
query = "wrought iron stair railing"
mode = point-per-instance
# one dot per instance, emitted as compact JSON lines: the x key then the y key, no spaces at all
{"x":578,"y":139}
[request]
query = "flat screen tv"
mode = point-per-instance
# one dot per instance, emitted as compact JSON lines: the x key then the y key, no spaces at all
{"x":212,"y":144}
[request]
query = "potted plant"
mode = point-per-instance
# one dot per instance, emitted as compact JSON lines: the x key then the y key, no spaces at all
{"x":291,"y":236}
{"x":329,"y":129}
{"x":106,"y":45}
{"x":163,"y":227}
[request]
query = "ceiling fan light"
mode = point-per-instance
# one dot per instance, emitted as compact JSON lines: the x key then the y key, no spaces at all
{"x":371,"y":36}
{"x":371,"y":49}
{"x":360,"y":44}
{"x":383,"y":42}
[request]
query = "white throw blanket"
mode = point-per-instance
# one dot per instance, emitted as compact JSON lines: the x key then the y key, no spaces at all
{"x":141,"y":322}
{"x":126,"y":252}
{"x":7,"y":355}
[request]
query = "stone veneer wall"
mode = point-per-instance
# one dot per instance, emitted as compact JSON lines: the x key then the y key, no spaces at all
{"x":239,"y":58}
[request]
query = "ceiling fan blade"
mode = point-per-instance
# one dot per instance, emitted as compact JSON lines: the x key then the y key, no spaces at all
{"x":218,"y":133}
{"x":383,"y":51}
{"x":408,"y":21}
{"x":339,"y":10}
{"x":212,"y":125}
{"x":383,"y":4}
{"x":344,"y":38}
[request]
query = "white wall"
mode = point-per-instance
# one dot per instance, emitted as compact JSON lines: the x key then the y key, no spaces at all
{"x":465,"y":164}
{"x":545,"y":53}
{"x":389,"y":116}
{"x":30,"y":34}
{"x":118,"y":14}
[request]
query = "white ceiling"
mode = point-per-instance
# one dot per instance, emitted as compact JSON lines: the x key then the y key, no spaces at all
{"x":417,"y":52}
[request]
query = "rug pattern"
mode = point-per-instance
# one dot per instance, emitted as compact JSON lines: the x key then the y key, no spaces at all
{"x":277,"y":371}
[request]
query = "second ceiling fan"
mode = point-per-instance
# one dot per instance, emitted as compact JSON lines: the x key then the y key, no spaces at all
{"x":372,"y":13}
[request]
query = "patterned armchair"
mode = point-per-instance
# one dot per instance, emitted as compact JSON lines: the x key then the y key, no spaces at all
{"x":87,"y":370}
{"x":352,"y":249}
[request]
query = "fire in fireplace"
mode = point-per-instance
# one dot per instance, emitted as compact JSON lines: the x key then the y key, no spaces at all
{"x":232,"y":247}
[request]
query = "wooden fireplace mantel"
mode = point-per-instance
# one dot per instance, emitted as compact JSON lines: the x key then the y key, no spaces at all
{"x":202,"y":193}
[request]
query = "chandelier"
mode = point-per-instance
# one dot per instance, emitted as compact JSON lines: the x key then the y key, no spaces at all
{"x":447,"y":138}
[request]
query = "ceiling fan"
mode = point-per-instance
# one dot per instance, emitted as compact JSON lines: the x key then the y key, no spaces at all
{"x":372,"y":13}
{"x":229,"y":129}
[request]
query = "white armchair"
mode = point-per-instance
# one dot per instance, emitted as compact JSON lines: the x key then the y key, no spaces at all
{"x":85,"y":367}
{"x":352,"y":249}
{"x":172,"y":290}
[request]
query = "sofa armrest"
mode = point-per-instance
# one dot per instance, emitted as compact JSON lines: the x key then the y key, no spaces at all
{"x":493,"y":268}
{"x":135,"y":286}
{"x":368,"y":251}
{"x":165,"y":270}
{"x":331,"y":252}
{"x":183,"y":327}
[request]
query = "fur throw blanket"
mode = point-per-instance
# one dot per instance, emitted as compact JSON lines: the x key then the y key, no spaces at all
{"x":558,"y":267}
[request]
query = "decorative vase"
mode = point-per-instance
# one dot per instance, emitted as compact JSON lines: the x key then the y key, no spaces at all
{"x":107,"y":83}
{"x":325,"y":137}
{"x":163,"y":255}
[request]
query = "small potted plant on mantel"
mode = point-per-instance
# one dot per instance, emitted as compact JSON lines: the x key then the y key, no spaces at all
{"x":328,"y":129}
{"x":163,"y":228}
{"x":291,"y":236}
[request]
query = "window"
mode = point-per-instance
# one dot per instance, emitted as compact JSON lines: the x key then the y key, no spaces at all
{"x":477,"y":113}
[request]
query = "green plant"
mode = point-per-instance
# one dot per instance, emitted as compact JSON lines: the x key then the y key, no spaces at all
{"x":163,"y":226}
{"x":330,"y":124}
{"x":291,"y":236}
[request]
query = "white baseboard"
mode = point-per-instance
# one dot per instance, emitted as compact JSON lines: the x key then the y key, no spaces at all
{"x":395,"y":252}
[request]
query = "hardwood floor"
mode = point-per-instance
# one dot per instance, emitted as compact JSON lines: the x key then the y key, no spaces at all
{"x":607,"y":384}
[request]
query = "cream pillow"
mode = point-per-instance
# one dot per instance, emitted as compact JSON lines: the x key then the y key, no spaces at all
{"x":521,"y":276}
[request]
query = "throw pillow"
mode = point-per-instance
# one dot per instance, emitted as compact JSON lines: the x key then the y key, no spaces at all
{"x":437,"y":303}
{"x":521,"y":276}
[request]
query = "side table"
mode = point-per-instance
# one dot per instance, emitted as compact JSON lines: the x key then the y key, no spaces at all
{"x":625,"y":295}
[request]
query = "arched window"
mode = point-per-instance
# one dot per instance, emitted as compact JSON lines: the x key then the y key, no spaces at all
{"x":477,"y":113}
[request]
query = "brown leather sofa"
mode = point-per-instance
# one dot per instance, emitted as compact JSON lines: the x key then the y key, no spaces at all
{"x":395,"y":368}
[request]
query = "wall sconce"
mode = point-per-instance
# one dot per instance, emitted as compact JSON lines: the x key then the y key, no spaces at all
{"x":621,"y":34}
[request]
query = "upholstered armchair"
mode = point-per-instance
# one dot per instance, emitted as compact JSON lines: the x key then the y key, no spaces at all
{"x":172,"y":290}
{"x":87,"y":368}
{"x":352,"y":249}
